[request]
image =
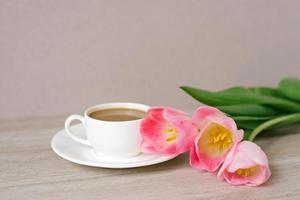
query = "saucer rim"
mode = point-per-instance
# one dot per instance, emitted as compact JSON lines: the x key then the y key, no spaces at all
{"x":117,"y":165}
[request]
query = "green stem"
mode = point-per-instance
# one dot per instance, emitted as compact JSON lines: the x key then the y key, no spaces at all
{"x":292,"y":118}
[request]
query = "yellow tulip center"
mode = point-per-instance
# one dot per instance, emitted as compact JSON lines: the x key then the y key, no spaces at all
{"x":171,"y":134}
{"x":216,"y":140}
{"x":220,"y":137}
{"x":247,"y":171}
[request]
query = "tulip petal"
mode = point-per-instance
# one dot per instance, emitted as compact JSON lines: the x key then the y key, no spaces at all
{"x":245,"y":164}
{"x":166,"y":130}
{"x":254,"y":152}
{"x":194,"y":158}
{"x":172,"y":114}
{"x":240,"y":160}
{"x":203,"y":113}
{"x":218,"y":134}
{"x":209,"y":158}
{"x":146,"y":148}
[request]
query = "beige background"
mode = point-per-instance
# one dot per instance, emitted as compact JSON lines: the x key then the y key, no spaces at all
{"x":57,"y":57}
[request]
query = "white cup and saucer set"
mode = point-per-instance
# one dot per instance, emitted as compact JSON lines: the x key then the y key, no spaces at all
{"x":105,"y":143}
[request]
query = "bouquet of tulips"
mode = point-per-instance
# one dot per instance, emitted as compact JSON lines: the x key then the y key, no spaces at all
{"x":220,"y":135}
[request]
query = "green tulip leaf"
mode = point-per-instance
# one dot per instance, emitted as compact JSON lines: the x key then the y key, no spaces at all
{"x":251,"y":118}
{"x":234,"y":98}
{"x":255,"y":110}
{"x":266,"y":91}
{"x":290,"y":88}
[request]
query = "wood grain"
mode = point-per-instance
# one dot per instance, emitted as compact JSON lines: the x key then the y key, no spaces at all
{"x":30,"y":170}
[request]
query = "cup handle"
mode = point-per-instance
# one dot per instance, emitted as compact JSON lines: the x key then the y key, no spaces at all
{"x":69,"y":132}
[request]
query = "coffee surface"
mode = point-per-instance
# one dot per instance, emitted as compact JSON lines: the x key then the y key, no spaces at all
{"x":117,"y":114}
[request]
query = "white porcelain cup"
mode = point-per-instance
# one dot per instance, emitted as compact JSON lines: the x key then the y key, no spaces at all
{"x":110,"y":139}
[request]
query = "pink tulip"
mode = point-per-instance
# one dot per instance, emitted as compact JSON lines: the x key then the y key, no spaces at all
{"x":246,"y":164}
{"x":166,"y":131}
{"x":218,"y":134}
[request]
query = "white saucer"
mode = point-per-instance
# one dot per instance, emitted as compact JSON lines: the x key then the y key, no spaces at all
{"x":78,"y":153}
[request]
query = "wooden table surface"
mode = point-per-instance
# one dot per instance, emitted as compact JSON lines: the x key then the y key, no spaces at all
{"x":29,"y":169}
